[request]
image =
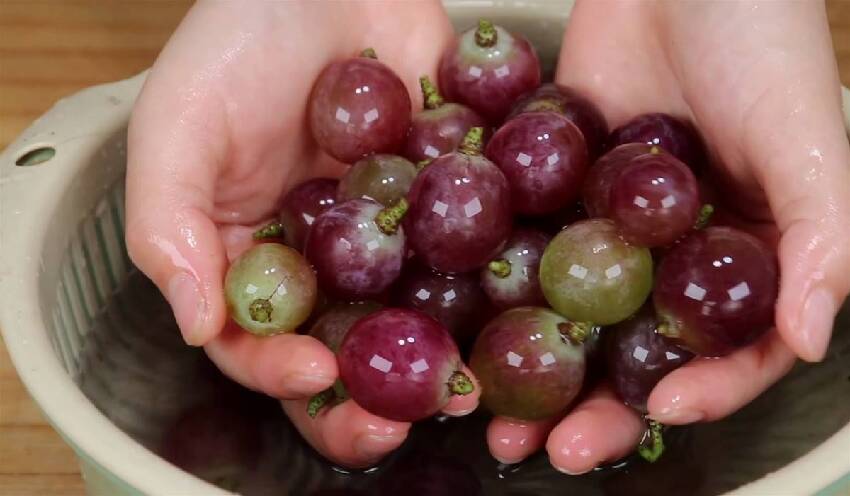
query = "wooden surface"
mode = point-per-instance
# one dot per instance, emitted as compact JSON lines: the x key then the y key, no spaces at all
{"x":49,"y":49}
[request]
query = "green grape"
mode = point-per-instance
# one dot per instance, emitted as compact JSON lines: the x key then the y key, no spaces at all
{"x":383,"y":178}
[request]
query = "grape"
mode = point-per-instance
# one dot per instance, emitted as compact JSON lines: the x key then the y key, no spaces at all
{"x":676,"y":136}
{"x":383,"y":178}
{"x":353,"y":256}
{"x":332,"y":326}
{"x":527,"y":365}
{"x":544,"y":158}
{"x":460,"y":211}
{"x":597,"y":185}
{"x":455,"y":300}
{"x":302,"y":205}
{"x":637,"y":357}
{"x":359,"y":106}
{"x":270,"y":289}
{"x":589,"y":274}
{"x":654,"y":200}
{"x":552,"y":97}
{"x":487,"y":68}
{"x":716,"y":291}
{"x":440,"y":128}
{"x":511,"y":280}
{"x":401,"y":365}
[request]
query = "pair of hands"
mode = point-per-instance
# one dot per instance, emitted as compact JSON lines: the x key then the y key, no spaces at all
{"x":219,"y":135}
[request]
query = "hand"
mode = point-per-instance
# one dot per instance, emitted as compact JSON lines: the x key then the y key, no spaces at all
{"x":759,"y":80}
{"x":217,"y":137}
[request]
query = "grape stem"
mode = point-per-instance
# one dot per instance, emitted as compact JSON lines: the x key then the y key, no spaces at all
{"x":651,"y":447}
{"x":260,"y":310}
{"x":667,"y":330}
{"x":472,"y":143}
{"x":369,"y":53}
{"x":430,"y":94}
{"x":575,"y":332}
{"x":500,"y":268}
{"x":270,"y":230}
{"x":319,"y":401}
{"x":389,"y":218}
{"x":705,"y":213}
{"x":422,"y":164}
{"x":486,"y":35}
{"x":460,"y":384}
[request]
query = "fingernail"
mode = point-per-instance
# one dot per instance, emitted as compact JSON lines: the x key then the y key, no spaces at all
{"x":188,"y":306}
{"x":677,"y":416}
{"x":507,"y":461}
{"x":568,"y":472}
{"x":307,"y":384}
{"x":458,"y":413}
{"x":816,"y":324}
{"x":372,"y":448}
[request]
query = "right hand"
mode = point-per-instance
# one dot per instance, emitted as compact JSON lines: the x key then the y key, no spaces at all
{"x":217,"y":137}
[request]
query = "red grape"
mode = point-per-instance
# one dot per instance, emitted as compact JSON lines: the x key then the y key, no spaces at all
{"x":460,"y":211}
{"x":544,"y":157}
{"x":552,"y":97}
{"x":676,"y":136}
{"x":302,"y":205}
{"x":716,"y":290}
{"x":401,"y":365}
{"x":353,"y":256}
{"x":527,"y":365}
{"x":637,"y":357}
{"x":654,"y":200}
{"x":511,"y":280}
{"x":440,"y":128}
{"x":455,"y":300}
{"x":383,"y":178}
{"x":597,"y":185}
{"x":487,"y":68}
{"x":359,"y":106}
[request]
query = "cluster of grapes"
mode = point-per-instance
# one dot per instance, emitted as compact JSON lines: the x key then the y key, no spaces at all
{"x":520,"y":250}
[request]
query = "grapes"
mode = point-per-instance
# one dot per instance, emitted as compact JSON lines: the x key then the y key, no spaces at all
{"x":511,"y":280}
{"x":455,"y":300}
{"x":359,"y":106}
{"x":552,"y":97}
{"x":460,"y":212}
{"x":332,"y":326}
{"x":676,"y":136}
{"x":440,"y":128}
{"x":589,"y":274}
{"x":715,"y":291}
{"x":383,"y":178}
{"x":302,"y":205}
{"x":654,"y":200}
{"x":544,"y":158}
{"x":487,"y":68}
{"x":354,"y":257}
{"x":401,"y":365}
{"x":638,"y":358}
{"x":597,"y":185}
{"x":270,"y":289}
{"x":527,"y":364}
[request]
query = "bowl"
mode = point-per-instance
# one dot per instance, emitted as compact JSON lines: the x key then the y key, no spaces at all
{"x":97,"y":348}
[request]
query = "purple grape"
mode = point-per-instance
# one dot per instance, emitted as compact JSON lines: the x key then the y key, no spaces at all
{"x":511,"y":280}
{"x":552,"y":97}
{"x":333,"y":325}
{"x":487,"y":68}
{"x":383,"y":178}
{"x":440,"y":128}
{"x":455,"y":300}
{"x":401,"y":365}
{"x":596,"y":193}
{"x":355,"y":255}
{"x":460,"y":210}
{"x":359,"y":106}
{"x":529,"y":363}
{"x":654,"y":200}
{"x":544,"y":158}
{"x":638,"y":358}
{"x":678,"y":137}
{"x":716,"y":290}
{"x":302,"y":205}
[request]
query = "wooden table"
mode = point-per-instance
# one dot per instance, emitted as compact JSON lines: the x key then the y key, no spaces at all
{"x":49,"y":49}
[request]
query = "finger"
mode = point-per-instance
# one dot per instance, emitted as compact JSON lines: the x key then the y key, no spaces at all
{"x":286,"y":366}
{"x":712,"y":388}
{"x":346,"y":433}
{"x":460,"y":405}
{"x":512,"y":441}
{"x":599,"y":429}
